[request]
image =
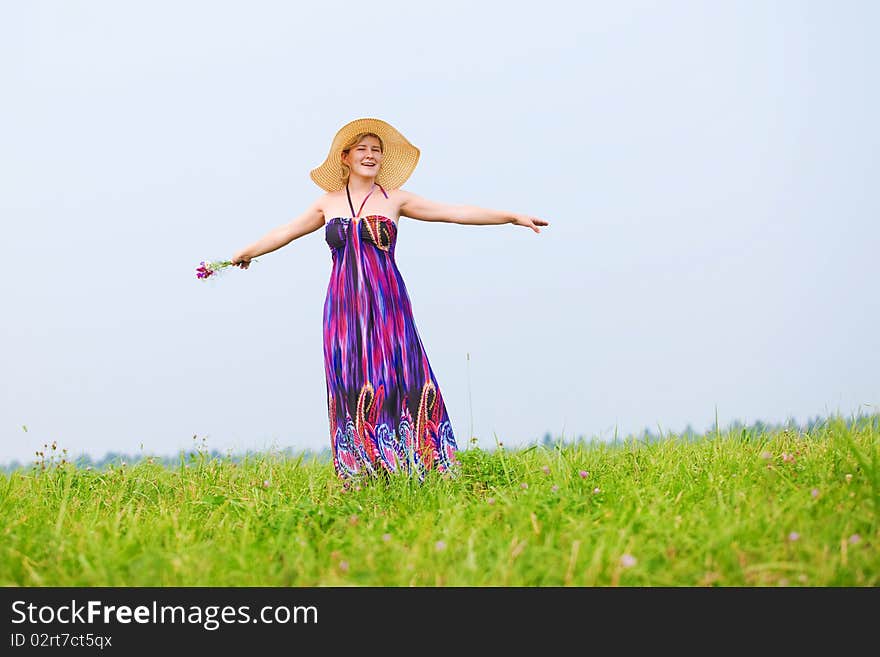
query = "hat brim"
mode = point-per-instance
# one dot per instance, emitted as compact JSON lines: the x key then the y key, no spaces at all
{"x":399,"y":157}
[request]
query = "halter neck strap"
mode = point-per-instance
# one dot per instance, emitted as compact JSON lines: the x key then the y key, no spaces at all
{"x":351,"y":205}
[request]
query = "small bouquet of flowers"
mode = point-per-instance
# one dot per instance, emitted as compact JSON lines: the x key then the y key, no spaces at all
{"x":211,"y":268}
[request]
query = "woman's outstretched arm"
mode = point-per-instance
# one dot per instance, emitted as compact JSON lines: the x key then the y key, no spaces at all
{"x":308,"y":222}
{"x":417,"y":207}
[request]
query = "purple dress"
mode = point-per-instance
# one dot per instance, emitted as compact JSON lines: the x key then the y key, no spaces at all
{"x":385,"y":408}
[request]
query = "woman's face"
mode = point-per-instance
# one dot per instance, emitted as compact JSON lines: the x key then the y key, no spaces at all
{"x":365,"y":157}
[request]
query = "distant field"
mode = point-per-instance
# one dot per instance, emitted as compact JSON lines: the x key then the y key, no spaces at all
{"x":779,"y":508}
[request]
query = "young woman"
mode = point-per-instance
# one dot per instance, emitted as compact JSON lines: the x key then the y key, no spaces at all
{"x":384,"y":403}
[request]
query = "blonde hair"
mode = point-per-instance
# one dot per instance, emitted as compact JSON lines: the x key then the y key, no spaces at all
{"x":345,"y":170}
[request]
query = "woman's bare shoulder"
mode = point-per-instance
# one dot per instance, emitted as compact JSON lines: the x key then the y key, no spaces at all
{"x":399,"y":194}
{"x":325,"y":201}
{"x":404,"y":196}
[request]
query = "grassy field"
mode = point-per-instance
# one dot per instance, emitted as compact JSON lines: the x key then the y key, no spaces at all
{"x":782,"y":508}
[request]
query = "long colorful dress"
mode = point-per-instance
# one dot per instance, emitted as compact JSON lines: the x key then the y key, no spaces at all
{"x":385,"y":407}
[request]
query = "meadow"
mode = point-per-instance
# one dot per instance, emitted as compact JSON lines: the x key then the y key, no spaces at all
{"x":725,"y":509}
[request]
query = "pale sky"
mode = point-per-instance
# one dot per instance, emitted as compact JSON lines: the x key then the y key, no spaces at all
{"x":709,"y":170}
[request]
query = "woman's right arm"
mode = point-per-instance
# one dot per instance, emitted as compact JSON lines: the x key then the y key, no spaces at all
{"x":308,"y":222}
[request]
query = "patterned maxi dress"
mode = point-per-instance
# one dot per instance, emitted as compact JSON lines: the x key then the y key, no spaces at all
{"x":385,"y":408}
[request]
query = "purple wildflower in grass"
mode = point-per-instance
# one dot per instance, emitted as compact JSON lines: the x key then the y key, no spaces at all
{"x":554,"y":488}
{"x":490,"y":501}
{"x":597,"y":490}
{"x":546,"y":469}
{"x":766,"y":456}
{"x":343,"y":566}
{"x":523,"y":485}
{"x":793,"y":536}
{"x":386,"y":537}
{"x":815,"y":492}
{"x":628,"y":561}
{"x":583,"y":474}
{"x":266,"y":483}
{"x":855,"y":538}
{"x":440,"y":546}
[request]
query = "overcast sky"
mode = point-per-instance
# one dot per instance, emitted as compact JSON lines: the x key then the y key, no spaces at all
{"x":709,"y":170}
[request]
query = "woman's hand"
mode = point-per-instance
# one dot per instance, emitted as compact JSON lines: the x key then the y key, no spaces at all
{"x":529,"y":222}
{"x":241,"y":259}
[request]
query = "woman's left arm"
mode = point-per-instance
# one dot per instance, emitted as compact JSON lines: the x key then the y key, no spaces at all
{"x":417,"y":207}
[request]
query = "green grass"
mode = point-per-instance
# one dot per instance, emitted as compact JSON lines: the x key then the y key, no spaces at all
{"x":781,"y":508}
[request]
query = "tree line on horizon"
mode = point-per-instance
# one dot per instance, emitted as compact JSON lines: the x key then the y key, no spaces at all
{"x":758,"y":427}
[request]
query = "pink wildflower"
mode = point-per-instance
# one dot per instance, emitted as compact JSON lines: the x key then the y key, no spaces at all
{"x":628,"y":561}
{"x":546,"y":469}
{"x":793,"y":536}
{"x":855,"y":538}
{"x":208,"y":269}
{"x":584,"y":474}
{"x":203,"y":270}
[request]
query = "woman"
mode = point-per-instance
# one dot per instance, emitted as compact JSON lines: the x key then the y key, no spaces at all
{"x":385,"y":407}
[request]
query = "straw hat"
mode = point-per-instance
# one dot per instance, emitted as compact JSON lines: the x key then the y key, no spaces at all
{"x":399,"y":157}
